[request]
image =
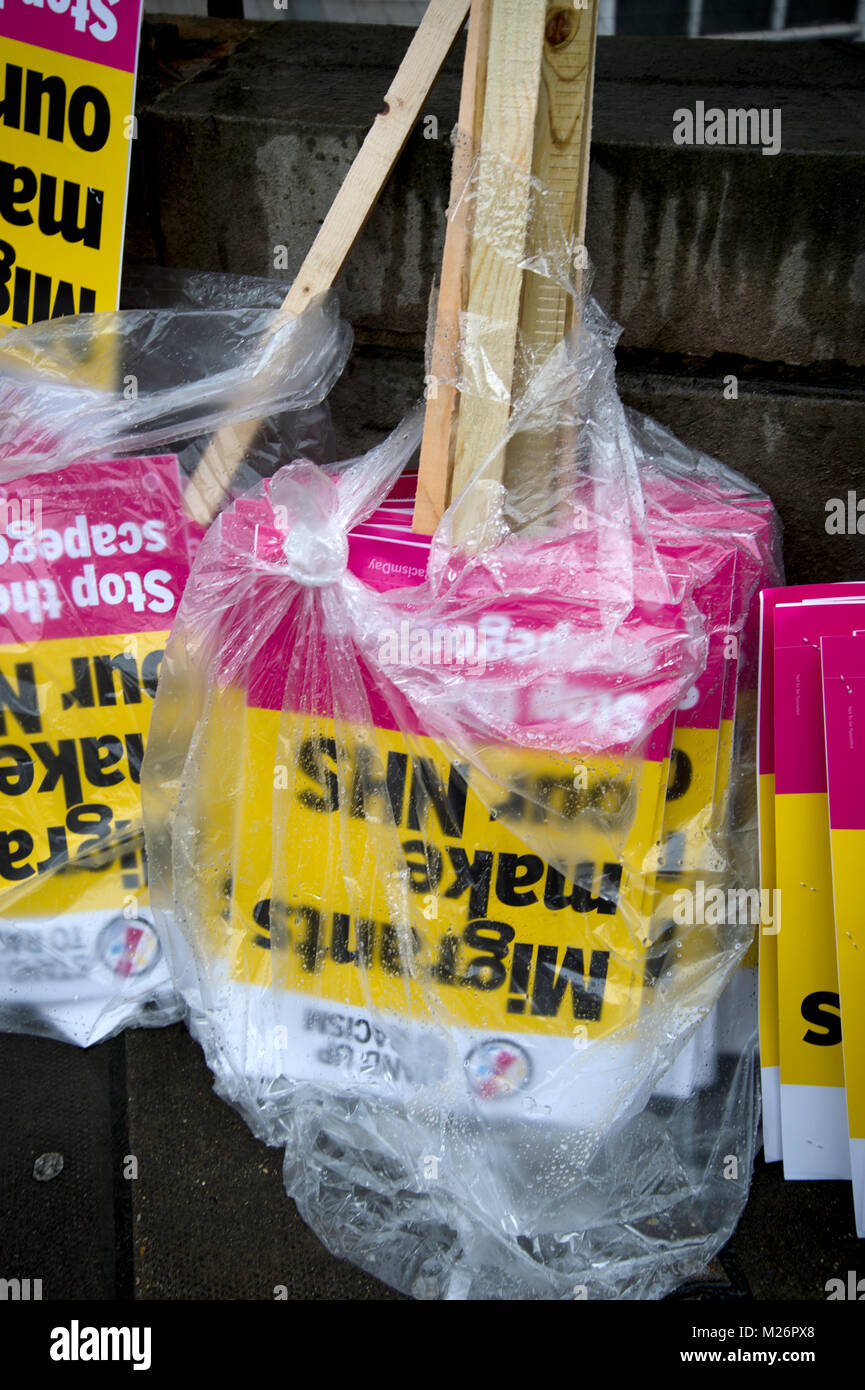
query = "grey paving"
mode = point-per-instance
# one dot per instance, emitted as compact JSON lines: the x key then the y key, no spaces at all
{"x":207,"y":1217}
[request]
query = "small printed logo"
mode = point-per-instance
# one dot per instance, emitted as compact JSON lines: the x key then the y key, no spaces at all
{"x":497,"y":1069}
{"x":77,"y":1343}
{"x":128,"y":947}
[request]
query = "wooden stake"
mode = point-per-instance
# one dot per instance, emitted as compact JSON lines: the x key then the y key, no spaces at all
{"x":439,"y":437}
{"x":561,"y":164}
{"x":461,"y":431}
{"x":359,"y":193}
{"x":495,"y":278}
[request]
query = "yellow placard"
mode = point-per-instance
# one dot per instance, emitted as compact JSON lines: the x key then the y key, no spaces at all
{"x":117,"y":879}
{"x":394,"y":878}
{"x":66,"y":127}
{"x":848,"y":852}
{"x":769,"y":1046}
{"x":74,"y":715}
{"x":809,"y":1009}
{"x":696,"y":913}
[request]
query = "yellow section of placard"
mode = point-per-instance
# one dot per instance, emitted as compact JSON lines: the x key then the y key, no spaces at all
{"x":809,"y":1017}
{"x":74,"y":715}
{"x":698,"y":913}
{"x":115,"y":878}
{"x":848,"y":856}
{"x":697,"y":799}
{"x":63,"y":210}
{"x":419,"y":886}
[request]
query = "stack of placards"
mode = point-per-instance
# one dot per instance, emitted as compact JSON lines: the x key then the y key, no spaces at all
{"x":684,"y":849}
{"x":811,"y":761}
{"x":93,"y":560}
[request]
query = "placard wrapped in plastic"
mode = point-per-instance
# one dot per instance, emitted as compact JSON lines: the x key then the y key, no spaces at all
{"x":432,"y":824}
{"x":104,"y":420}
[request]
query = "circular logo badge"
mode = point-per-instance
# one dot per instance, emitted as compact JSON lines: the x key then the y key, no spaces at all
{"x":128,"y":947}
{"x":497,"y":1068}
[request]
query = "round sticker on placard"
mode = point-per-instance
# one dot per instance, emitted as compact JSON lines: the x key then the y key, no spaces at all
{"x":497,"y":1069}
{"x":128,"y":947}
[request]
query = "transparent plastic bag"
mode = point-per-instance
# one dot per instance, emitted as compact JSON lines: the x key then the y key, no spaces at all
{"x":410,"y":837}
{"x":148,"y":380}
{"x":96,"y":541}
{"x":429,"y":820}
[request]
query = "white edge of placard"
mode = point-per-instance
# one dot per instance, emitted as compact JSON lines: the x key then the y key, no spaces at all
{"x":814,"y":1123}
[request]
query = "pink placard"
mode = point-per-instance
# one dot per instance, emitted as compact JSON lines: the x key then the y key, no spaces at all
{"x":843,"y":662}
{"x":97,"y":548}
{"x":99,"y":31}
{"x":769,"y":600}
{"x":524,"y":689}
{"x":800,"y":756}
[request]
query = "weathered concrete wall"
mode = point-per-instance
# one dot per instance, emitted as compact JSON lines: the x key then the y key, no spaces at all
{"x":245,"y":157}
{"x":802,"y":444}
{"x":699,"y":250}
{"x":715,"y":260}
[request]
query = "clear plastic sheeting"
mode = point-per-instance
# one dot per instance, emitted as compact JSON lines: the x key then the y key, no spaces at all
{"x":80,"y":956}
{"x":433,"y":826}
{"x":146,"y":380}
{"x":103,"y":422}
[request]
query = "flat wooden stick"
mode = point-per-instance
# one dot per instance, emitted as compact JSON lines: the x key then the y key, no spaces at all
{"x":561,"y":164}
{"x":439,"y":437}
{"x":495,"y":282}
{"x":384,"y":142}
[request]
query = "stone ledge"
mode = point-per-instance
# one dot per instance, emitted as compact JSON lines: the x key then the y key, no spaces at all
{"x":802,"y":445}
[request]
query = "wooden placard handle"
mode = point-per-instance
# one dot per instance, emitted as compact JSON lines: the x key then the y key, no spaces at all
{"x":561,"y":164}
{"x":439,"y":436}
{"x":510,"y":87}
{"x":384,"y":142}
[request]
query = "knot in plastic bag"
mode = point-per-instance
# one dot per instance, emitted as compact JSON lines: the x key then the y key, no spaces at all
{"x":316,"y":555}
{"x":316,"y":547}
